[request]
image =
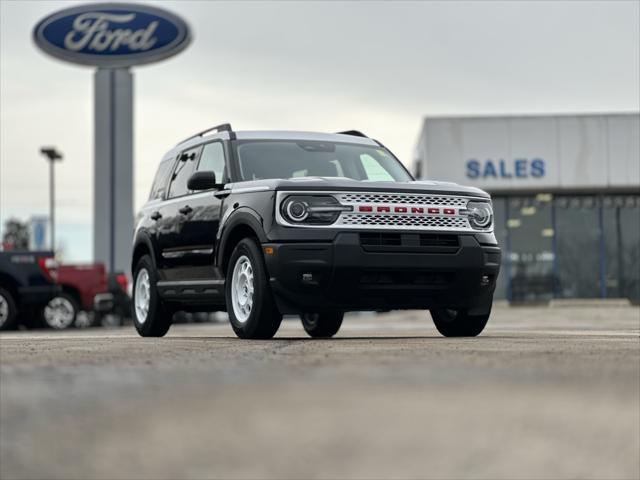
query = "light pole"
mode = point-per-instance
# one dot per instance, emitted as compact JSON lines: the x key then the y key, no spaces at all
{"x":52,"y":155}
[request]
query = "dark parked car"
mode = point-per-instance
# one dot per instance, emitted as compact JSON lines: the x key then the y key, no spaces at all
{"x":262,"y":224}
{"x":27,"y":283}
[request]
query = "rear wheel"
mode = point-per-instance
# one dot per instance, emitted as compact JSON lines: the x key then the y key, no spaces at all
{"x":252,"y":310}
{"x":8,"y":310}
{"x":458,"y":323}
{"x":151,"y":316}
{"x":61,"y":311}
{"x":322,"y":325}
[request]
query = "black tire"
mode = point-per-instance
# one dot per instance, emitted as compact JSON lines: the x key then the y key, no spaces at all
{"x":61,"y":311}
{"x":261,"y":318}
{"x":8,"y":310}
{"x":157,"y":321}
{"x":458,"y":323}
{"x":322,"y":325}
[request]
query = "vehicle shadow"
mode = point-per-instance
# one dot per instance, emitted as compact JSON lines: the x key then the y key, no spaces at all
{"x":339,"y":339}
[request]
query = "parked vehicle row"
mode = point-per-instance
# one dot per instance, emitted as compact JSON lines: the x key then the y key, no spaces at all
{"x":27,"y":284}
{"x":36,"y":291}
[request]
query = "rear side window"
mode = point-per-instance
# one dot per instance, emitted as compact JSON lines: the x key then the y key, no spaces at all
{"x":184,"y":168}
{"x":159,"y":186}
{"x":212,"y":160}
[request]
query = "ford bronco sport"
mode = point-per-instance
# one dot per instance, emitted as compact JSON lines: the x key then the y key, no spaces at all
{"x":262,"y":224}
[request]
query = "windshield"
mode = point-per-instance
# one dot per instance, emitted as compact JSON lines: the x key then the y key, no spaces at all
{"x":260,"y":159}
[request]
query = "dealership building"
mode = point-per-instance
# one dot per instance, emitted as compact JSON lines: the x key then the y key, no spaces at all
{"x":566,"y":197}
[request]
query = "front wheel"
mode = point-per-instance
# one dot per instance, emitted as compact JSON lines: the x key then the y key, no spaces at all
{"x":61,"y":311}
{"x":252,"y":310}
{"x":150,"y":315}
{"x":322,"y":325}
{"x":8,"y":311}
{"x":458,"y":323}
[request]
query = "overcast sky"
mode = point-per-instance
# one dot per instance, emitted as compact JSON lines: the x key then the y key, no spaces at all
{"x":378,"y":67}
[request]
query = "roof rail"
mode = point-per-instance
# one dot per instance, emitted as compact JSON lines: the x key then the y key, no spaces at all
{"x":353,"y":133}
{"x":223,"y":127}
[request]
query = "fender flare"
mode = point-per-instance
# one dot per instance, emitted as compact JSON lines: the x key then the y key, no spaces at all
{"x":144,"y":238}
{"x":243,"y":216}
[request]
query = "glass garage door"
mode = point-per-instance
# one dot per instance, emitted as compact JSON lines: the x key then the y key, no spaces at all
{"x":530,"y":254}
{"x":568,"y":246}
{"x":578,"y":248}
{"x":621,"y":229}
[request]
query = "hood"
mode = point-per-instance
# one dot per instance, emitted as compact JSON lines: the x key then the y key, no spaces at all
{"x":347,"y":184}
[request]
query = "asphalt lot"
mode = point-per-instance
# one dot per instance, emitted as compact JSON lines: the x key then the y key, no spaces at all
{"x":543,"y":393}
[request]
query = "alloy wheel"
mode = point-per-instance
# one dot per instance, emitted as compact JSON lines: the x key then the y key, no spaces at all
{"x":242,"y":288}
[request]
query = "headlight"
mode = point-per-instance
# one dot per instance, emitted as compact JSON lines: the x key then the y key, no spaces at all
{"x":480,"y":214}
{"x":312,"y":209}
{"x":297,"y":210}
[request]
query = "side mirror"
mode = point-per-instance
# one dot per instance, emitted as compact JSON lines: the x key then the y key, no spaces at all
{"x":205,"y":180}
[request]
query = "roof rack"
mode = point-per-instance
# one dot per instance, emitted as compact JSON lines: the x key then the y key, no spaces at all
{"x":223,"y":127}
{"x":353,"y":133}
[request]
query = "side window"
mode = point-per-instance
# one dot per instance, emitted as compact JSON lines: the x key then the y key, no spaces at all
{"x":184,"y":168}
{"x":373,"y":169}
{"x":212,"y":159}
{"x":160,"y":180}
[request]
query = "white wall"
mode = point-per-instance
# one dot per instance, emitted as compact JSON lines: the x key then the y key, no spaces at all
{"x":533,"y":152}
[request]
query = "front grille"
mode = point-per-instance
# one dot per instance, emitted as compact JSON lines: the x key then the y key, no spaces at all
{"x":433,"y":222}
{"x":402,"y":198}
{"x":395,"y":211}
{"x":380,"y":239}
{"x":434,"y":240}
{"x":403,"y":211}
{"x":410,"y":240}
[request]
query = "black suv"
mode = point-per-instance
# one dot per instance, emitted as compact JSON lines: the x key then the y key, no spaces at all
{"x":262,"y":224}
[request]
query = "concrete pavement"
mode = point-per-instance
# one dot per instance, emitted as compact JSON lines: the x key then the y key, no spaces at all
{"x":543,"y":393}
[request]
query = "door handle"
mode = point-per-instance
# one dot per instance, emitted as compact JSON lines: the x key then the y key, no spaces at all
{"x":156,"y":215}
{"x":186,"y":210}
{"x":222,"y":193}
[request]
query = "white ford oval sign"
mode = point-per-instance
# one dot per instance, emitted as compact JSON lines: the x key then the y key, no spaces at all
{"x":112,"y":35}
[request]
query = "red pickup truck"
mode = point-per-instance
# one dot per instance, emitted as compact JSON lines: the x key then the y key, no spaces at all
{"x":87,"y":291}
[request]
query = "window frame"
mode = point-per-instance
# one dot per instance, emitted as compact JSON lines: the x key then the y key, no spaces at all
{"x":198,"y":152}
{"x":165,"y":183}
{"x":225,"y":152}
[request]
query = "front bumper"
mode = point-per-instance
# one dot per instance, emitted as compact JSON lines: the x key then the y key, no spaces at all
{"x":346,"y":275}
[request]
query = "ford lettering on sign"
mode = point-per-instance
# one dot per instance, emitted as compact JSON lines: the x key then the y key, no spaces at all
{"x":112,"y":35}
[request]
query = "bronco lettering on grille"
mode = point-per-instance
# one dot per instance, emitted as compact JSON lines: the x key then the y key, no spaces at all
{"x":405,"y":209}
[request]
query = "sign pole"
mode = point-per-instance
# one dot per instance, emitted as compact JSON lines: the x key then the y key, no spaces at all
{"x":52,"y":156}
{"x":113,"y":167}
{"x":52,"y":200}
